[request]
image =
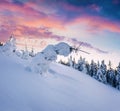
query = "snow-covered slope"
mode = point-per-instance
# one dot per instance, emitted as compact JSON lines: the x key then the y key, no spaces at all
{"x":60,"y":89}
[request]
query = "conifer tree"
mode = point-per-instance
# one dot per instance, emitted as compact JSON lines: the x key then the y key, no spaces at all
{"x":101,"y":72}
{"x":118,"y":77}
{"x":93,"y":69}
{"x":70,"y":61}
{"x":110,"y":75}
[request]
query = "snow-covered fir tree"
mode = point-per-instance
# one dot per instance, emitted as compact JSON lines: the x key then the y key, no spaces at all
{"x":111,"y":75}
{"x":81,"y":65}
{"x":40,"y":63}
{"x":93,"y":69}
{"x":32,"y":53}
{"x":25,"y":53}
{"x":84,"y":67}
{"x":10,"y":45}
{"x":118,"y":77}
{"x":101,"y":72}
{"x":87,"y":68}
{"x":70,"y":61}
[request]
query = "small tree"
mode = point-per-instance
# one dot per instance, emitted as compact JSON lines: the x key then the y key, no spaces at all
{"x":1,"y":44}
{"x":71,"y":62}
{"x":32,"y":54}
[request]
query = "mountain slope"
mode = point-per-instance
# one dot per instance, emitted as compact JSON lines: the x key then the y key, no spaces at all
{"x":60,"y":89}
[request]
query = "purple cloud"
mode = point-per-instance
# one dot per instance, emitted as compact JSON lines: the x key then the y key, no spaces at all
{"x":85,"y":44}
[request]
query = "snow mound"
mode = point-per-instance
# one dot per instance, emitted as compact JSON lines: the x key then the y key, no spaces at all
{"x":63,"y":49}
{"x":41,"y":61}
{"x":50,"y":53}
{"x":39,"y":64}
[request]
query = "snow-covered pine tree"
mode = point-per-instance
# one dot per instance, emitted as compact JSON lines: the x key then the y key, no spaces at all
{"x":10,"y":45}
{"x":93,"y":69}
{"x":70,"y":61}
{"x":25,"y":53}
{"x":98,"y":64}
{"x":40,"y":63}
{"x":32,"y":54}
{"x":110,"y":75}
{"x":81,"y":63}
{"x":101,"y":73}
{"x":118,"y":77}
{"x":84,"y":67}
{"x":87,"y":68}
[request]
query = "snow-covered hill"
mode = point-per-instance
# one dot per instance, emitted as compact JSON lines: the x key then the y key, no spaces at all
{"x":60,"y":89}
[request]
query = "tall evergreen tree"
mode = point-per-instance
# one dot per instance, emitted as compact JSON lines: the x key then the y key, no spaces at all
{"x":118,"y":77}
{"x":93,"y":69}
{"x":81,"y":63}
{"x":110,"y":75}
{"x":101,"y":72}
{"x":87,"y":65}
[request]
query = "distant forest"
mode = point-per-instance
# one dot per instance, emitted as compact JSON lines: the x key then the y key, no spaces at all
{"x":100,"y":71}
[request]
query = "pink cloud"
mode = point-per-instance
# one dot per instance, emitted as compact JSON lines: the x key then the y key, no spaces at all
{"x":29,"y":16}
{"x":95,"y":23}
{"x":30,"y":32}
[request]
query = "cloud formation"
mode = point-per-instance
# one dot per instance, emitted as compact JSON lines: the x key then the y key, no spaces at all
{"x":39,"y":18}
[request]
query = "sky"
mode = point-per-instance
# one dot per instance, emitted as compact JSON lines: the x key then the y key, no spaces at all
{"x":94,"y":23}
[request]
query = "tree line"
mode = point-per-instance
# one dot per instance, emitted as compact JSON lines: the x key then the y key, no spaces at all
{"x":100,"y":71}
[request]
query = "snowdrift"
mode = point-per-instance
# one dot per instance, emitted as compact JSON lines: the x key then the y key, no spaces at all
{"x":60,"y":89}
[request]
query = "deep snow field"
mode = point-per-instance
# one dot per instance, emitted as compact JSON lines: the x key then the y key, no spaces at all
{"x":61,"y":88}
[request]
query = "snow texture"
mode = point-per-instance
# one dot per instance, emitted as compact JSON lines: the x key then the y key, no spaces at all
{"x":41,"y":61}
{"x":63,"y":49}
{"x":9,"y":46}
{"x":60,"y":89}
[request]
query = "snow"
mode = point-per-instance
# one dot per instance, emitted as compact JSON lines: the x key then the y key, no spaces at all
{"x":9,"y":46}
{"x":49,"y":53}
{"x":40,"y":63}
{"x":61,"y":88}
{"x":63,"y":49}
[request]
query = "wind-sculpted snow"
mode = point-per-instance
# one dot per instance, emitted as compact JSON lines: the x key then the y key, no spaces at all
{"x":49,"y":53}
{"x":63,"y":49}
{"x":41,"y":61}
{"x":39,"y":64}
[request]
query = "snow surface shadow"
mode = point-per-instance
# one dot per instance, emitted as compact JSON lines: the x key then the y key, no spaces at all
{"x":60,"y":75}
